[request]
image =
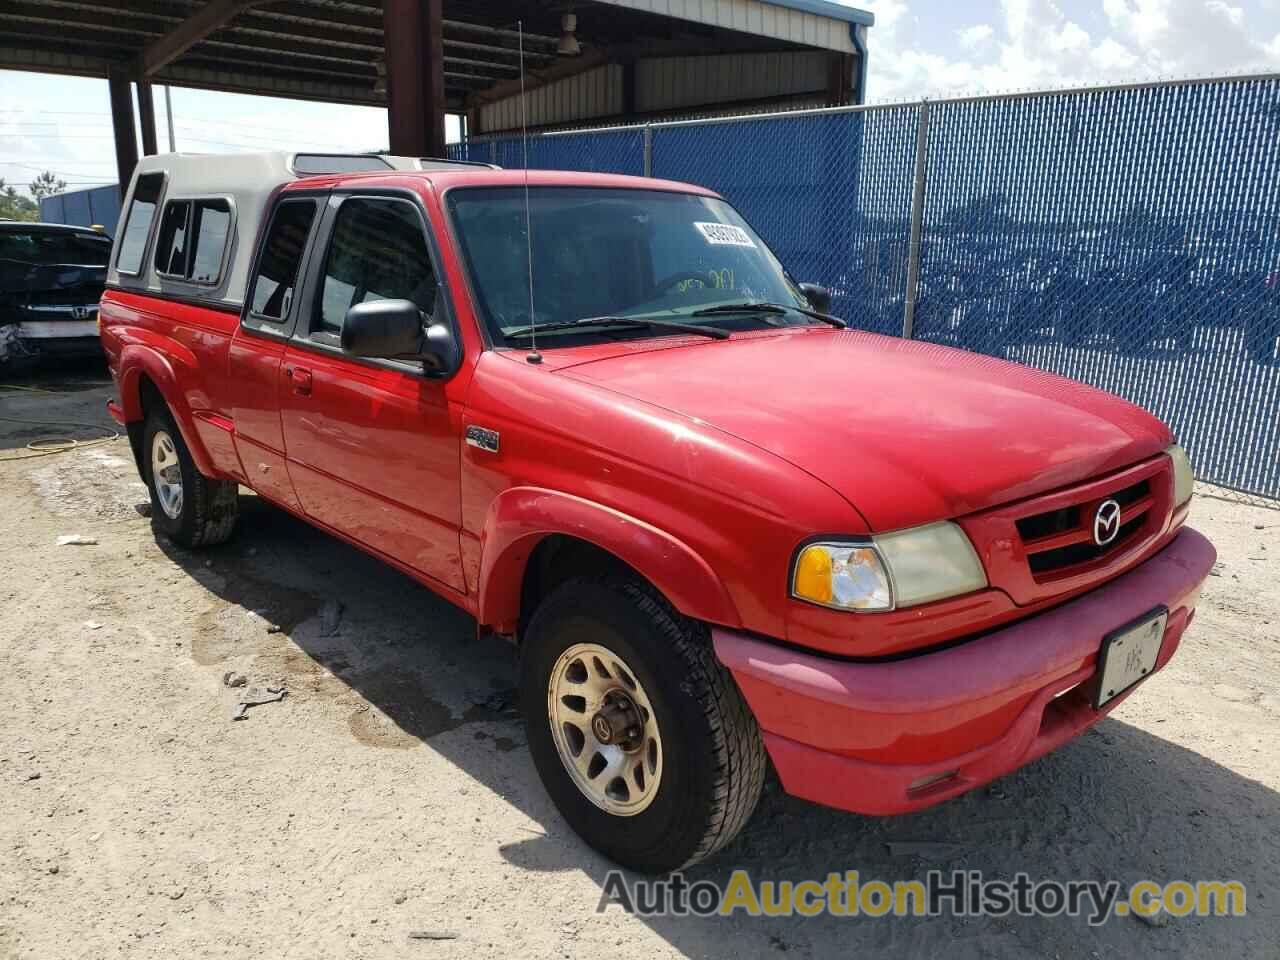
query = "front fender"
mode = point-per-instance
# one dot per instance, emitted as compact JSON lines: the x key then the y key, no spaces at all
{"x":137,"y":360}
{"x":520,"y":517}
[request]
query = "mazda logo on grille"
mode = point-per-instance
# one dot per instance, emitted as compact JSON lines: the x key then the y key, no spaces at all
{"x":1106,"y":522}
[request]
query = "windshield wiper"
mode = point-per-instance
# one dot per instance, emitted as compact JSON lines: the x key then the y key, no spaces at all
{"x":763,"y":306}
{"x":717,"y":333}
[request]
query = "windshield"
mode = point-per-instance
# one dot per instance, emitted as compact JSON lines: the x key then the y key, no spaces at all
{"x":601,"y":252}
{"x":46,"y":248}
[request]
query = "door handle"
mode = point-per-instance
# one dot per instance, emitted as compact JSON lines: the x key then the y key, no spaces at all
{"x":301,"y":380}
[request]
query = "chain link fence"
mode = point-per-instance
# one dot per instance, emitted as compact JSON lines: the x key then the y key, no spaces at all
{"x":1128,"y":237}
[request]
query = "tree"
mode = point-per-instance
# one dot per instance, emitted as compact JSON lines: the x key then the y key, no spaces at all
{"x":14,"y":206}
{"x":46,"y":185}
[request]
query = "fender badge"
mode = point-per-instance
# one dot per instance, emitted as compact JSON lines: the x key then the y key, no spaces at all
{"x":482,"y":438}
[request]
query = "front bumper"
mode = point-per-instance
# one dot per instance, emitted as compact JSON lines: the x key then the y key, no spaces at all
{"x":33,"y":339}
{"x":895,"y":736}
{"x":58,"y":329}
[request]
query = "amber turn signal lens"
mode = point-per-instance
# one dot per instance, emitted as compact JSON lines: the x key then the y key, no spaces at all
{"x":813,"y":574}
{"x":846,"y":576}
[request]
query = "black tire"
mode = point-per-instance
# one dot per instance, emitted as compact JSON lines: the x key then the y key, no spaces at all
{"x":713,"y":757}
{"x":209,"y":507}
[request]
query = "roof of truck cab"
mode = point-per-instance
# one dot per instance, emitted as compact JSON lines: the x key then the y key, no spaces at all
{"x":445,"y":179}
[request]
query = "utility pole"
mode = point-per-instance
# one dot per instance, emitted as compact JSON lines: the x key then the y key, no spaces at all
{"x":168,"y":112}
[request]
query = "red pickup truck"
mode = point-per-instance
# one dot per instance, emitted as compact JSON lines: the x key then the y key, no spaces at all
{"x":722,"y":529}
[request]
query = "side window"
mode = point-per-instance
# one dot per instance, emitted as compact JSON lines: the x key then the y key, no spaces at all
{"x":142,"y":210}
{"x":211,"y":227}
{"x":193,"y":236}
{"x":378,"y":251}
{"x":171,"y":242}
{"x":281,"y":256}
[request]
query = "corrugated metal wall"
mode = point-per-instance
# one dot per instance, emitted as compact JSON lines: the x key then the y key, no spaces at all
{"x":752,"y":16}
{"x":666,"y":83}
{"x":596,"y":93}
{"x":84,"y":208}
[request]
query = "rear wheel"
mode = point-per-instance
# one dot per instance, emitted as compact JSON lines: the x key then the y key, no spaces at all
{"x":186,"y":506}
{"x":639,"y":735}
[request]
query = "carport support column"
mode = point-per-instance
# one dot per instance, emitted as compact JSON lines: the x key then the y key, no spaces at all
{"x":147,"y":118}
{"x":413,"y":32}
{"x":120,"y":91}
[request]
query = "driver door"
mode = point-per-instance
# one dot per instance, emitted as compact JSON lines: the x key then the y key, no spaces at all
{"x":372,"y":445}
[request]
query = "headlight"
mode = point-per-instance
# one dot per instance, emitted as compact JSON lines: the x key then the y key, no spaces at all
{"x":900,"y":569}
{"x":1184,"y":478}
{"x":849,"y":576}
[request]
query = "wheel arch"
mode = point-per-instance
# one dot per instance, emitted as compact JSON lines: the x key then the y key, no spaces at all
{"x":536,"y":538}
{"x":148,"y":377}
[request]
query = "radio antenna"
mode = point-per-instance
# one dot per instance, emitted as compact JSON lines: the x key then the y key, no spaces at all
{"x":533,"y":356}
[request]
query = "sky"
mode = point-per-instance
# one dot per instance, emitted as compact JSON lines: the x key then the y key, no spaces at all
{"x":918,"y":48}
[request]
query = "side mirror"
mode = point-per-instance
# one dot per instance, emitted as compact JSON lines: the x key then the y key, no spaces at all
{"x":393,"y":330}
{"x":819,"y":297}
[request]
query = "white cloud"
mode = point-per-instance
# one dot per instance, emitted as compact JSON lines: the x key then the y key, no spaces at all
{"x":1191,"y":37}
{"x":971,"y":38}
{"x":1113,"y":59}
{"x":1071,"y":38}
{"x":1234,"y":14}
{"x":1140,"y":20}
{"x":1055,"y":43}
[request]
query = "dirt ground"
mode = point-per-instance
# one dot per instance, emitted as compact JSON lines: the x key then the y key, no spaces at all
{"x":390,"y":791}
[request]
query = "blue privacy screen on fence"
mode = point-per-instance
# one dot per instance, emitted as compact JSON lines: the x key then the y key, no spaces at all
{"x":615,"y":151}
{"x":830,"y":192}
{"x":1127,"y":237}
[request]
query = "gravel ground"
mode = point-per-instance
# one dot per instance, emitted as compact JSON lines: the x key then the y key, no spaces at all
{"x":390,"y":791}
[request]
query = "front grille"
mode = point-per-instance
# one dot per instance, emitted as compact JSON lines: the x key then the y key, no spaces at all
{"x":1060,"y":542}
{"x":1049,"y":561}
{"x":1049,"y":524}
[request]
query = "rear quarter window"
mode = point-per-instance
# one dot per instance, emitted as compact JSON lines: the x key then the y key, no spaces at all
{"x":272,"y":290}
{"x":137,"y":229}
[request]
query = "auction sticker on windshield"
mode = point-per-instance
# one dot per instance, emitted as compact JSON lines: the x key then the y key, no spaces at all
{"x":724,"y":234}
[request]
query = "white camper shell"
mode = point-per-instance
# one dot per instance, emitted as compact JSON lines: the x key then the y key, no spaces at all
{"x":190,"y":221}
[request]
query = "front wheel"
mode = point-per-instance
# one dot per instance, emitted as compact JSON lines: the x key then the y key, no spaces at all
{"x":186,"y":506}
{"x":639,"y":735}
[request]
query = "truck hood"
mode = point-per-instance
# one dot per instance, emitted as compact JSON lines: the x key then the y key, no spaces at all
{"x":908,"y":432}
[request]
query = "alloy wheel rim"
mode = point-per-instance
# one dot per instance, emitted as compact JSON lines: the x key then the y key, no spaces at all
{"x":166,"y":474}
{"x":604,"y":729}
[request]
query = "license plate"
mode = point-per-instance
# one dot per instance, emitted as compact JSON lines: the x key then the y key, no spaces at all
{"x":1129,"y":655}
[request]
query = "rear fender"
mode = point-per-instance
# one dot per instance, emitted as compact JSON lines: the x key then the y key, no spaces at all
{"x":137,"y":360}
{"x":519,"y":518}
